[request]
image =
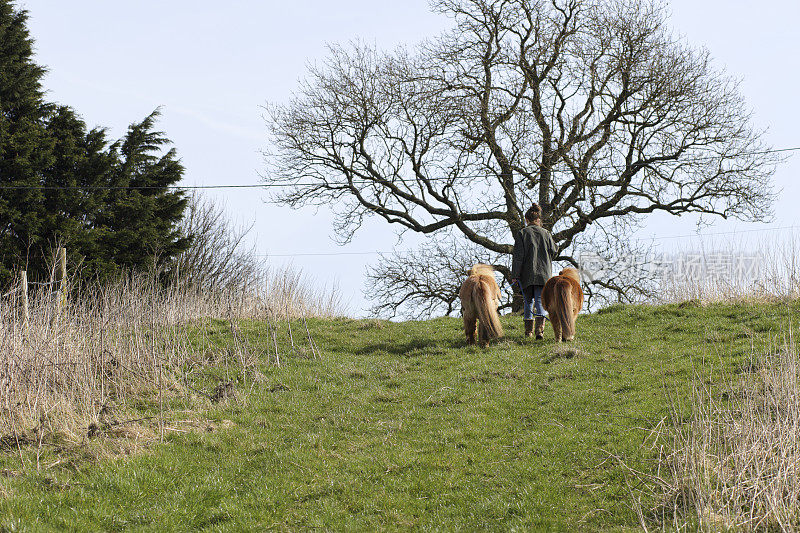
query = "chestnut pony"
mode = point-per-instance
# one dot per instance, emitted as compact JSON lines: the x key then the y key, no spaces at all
{"x":562,"y":297}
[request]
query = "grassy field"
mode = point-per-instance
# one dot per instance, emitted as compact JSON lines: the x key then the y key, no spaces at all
{"x":400,"y":426}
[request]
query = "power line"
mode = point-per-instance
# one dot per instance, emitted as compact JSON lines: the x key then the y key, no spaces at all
{"x":775,"y":150}
{"x":304,"y":254}
{"x":289,"y":184}
{"x":759,"y":230}
{"x":133,"y":187}
{"x":694,"y":235}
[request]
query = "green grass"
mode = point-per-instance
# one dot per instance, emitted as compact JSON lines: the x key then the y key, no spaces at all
{"x":402,"y":426}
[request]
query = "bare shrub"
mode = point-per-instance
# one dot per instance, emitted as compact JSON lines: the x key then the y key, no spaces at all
{"x":218,"y":271}
{"x":425,"y":282}
{"x":217,"y":258}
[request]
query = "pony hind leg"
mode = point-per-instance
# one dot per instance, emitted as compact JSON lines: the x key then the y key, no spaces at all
{"x":555,"y":319}
{"x":470,"y":326}
{"x":483,"y":335}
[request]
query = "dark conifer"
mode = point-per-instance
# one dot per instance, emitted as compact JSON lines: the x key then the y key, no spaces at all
{"x":63,"y":185}
{"x":25,"y":146}
{"x":142,"y":222}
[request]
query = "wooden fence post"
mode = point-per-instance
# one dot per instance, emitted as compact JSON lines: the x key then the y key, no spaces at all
{"x":23,"y":288}
{"x":61,"y":279}
{"x":177,"y":291}
{"x":178,"y":277}
{"x":62,"y":270}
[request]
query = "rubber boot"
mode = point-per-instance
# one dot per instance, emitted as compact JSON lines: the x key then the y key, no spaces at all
{"x":528,"y":328}
{"x":539,"y":327}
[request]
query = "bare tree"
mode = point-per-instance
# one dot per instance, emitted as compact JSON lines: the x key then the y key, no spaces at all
{"x":426,"y":281}
{"x":592,"y":108}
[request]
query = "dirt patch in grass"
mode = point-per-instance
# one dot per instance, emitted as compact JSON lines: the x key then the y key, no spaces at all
{"x":564,"y":351}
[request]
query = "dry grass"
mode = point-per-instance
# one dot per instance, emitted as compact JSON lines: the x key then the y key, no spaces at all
{"x":78,"y":361}
{"x":734,"y":462}
{"x":778,"y":277}
{"x":729,"y":459}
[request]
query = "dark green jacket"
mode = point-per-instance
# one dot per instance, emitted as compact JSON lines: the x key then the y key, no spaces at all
{"x":532,"y":260}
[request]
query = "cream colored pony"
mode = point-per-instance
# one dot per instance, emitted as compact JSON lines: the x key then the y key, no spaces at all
{"x":480,"y":298}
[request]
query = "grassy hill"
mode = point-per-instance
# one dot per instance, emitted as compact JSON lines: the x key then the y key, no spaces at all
{"x":397,"y":426}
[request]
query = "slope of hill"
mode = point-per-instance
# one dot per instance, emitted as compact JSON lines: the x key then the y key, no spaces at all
{"x":398,"y":426}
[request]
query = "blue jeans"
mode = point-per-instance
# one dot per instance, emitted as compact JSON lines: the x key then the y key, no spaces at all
{"x":532,"y":298}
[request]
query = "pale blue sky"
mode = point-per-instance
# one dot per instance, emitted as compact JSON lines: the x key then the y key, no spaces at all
{"x":211,"y":65}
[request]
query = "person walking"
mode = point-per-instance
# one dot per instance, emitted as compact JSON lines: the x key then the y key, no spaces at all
{"x":532,"y":266}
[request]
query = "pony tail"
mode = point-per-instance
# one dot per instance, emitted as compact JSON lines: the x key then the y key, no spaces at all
{"x":487,"y":312}
{"x":563,"y":294}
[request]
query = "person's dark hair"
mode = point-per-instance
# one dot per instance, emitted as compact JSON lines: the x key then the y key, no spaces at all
{"x":534,"y":214}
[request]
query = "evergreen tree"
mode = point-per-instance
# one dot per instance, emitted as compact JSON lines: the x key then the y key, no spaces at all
{"x":141,"y":223}
{"x":25,"y":146}
{"x":82,"y":168}
{"x":63,"y":185}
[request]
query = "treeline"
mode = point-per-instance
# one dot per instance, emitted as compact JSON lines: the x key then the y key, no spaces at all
{"x":63,"y":184}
